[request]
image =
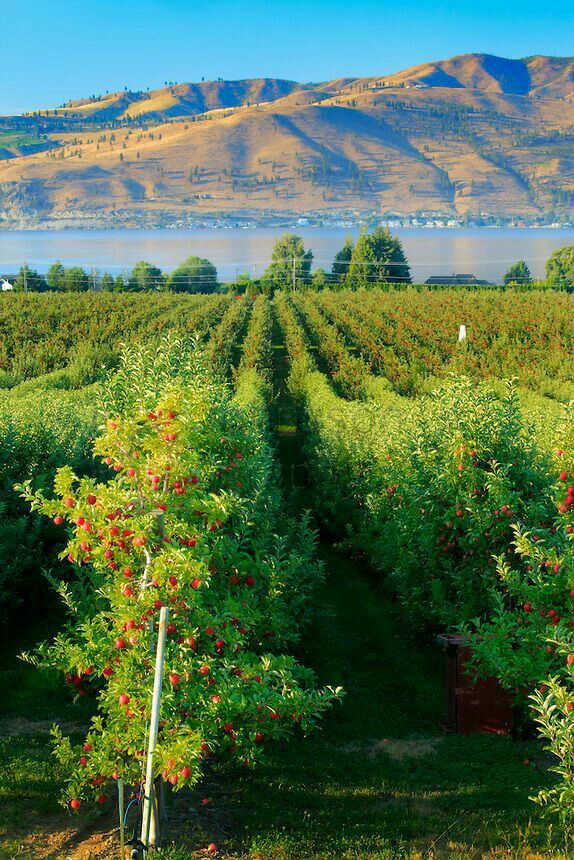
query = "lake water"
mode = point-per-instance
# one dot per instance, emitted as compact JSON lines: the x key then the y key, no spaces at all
{"x":485,"y":252}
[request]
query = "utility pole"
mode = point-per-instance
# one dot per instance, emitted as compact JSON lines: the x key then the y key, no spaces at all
{"x":25,"y":273}
{"x":294,"y":279}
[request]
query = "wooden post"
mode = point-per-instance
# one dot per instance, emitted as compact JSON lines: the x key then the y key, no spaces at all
{"x":149,"y":835}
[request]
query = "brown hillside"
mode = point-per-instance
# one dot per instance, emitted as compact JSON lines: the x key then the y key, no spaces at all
{"x":472,"y":134}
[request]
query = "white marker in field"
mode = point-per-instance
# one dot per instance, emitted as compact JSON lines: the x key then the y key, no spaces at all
{"x":462,"y":333}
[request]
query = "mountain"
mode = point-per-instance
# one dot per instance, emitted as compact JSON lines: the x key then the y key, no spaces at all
{"x":472,"y":134}
{"x":175,"y":100}
{"x":542,"y":77}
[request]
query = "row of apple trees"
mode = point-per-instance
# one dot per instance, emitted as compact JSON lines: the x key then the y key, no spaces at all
{"x":469,"y":520}
{"x":188,"y":516}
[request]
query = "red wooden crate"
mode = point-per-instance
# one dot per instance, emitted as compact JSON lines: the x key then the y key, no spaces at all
{"x":473,"y":704}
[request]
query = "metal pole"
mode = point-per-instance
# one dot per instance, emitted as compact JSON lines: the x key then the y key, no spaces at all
{"x":158,"y":810}
{"x":149,"y":792}
{"x":121,"y":808}
{"x":293,"y":274}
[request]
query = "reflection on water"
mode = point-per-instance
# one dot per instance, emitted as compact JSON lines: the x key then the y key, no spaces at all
{"x":487,"y":253}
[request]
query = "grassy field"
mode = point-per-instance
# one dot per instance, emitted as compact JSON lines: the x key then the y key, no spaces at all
{"x":15,"y":139}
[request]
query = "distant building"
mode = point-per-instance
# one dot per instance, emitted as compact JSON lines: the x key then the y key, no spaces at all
{"x":456,"y":280}
{"x":6,"y":285}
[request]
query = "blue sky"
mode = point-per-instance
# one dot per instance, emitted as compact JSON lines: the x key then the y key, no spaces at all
{"x":54,"y":50}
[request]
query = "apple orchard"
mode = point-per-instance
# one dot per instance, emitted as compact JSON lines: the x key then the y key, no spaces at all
{"x":445,"y":468}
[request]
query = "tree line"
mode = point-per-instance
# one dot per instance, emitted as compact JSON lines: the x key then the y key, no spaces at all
{"x":195,"y":275}
{"x":376,"y":259}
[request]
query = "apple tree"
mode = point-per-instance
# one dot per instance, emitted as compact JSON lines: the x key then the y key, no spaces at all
{"x":181,"y":522}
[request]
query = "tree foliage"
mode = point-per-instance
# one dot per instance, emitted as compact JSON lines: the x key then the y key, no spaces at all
{"x":145,"y":276}
{"x":341,"y":263}
{"x":518,"y":275}
{"x":377,"y":259}
{"x":55,"y":276}
{"x":29,"y":280}
{"x":107,"y":282}
{"x":560,"y":267}
{"x":187,"y":519}
{"x":195,"y":275}
{"x":290,"y":266}
{"x":75,"y":280}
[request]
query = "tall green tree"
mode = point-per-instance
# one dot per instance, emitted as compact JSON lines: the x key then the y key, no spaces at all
{"x":55,"y":276}
{"x":195,"y":275}
{"x":145,"y":276}
{"x":75,"y":280}
{"x":29,"y":280}
{"x":107,"y":282}
{"x":119,"y":283}
{"x":290,"y":266}
{"x":518,"y":275}
{"x":560,"y":267}
{"x":377,"y":259}
{"x":341,"y":263}
{"x":320,"y":279}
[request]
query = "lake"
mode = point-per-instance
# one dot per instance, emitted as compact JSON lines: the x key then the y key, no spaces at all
{"x":485,"y":252}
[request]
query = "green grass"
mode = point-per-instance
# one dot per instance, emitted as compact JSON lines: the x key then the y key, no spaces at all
{"x":30,"y":701}
{"x":15,"y":139}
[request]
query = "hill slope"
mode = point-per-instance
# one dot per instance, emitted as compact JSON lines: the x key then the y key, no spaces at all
{"x":175,"y":100}
{"x":544,"y":77}
{"x":472,"y":134}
